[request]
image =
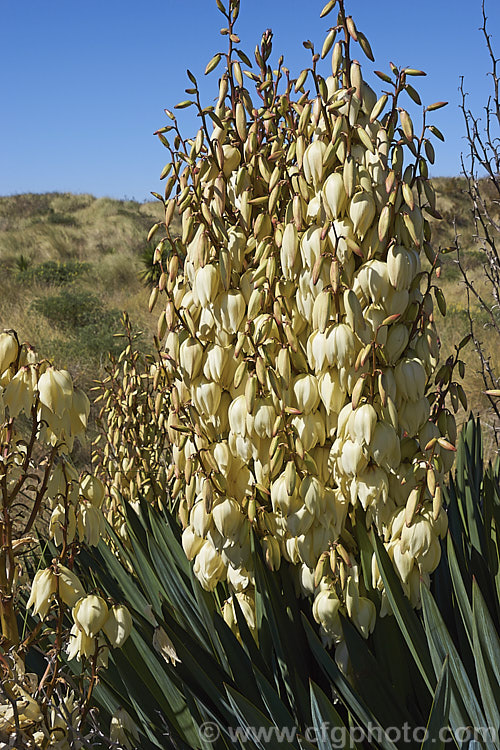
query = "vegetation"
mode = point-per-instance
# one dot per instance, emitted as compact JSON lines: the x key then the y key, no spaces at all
{"x":94,"y":256}
{"x":264,"y":544}
{"x":183,"y":665}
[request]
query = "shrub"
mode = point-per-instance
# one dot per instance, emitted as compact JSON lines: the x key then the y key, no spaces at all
{"x":52,"y":272}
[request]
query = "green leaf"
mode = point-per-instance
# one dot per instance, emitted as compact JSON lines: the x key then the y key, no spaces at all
{"x":438,"y":717}
{"x":253,"y":651}
{"x":273,"y":703}
{"x":351,"y":700}
{"x":365,"y":548}
{"x":459,"y":588}
{"x":267,"y":735}
{"x":371,"y":682}
{"x":279,"y":623}
{"x":408,"y":621}
{"x":325,"y":717}
{"x":487,"y":654}
{"x":153,"y":678}
{"x":464,"y":707}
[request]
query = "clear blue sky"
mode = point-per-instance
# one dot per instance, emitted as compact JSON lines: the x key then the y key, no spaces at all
{"x":84,"y":84}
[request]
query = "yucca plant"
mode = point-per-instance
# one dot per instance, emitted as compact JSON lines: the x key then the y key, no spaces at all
{"x":298,"y":328}
{"x":183,"y":666}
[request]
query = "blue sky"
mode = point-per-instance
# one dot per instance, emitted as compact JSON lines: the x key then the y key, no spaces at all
{"x":84,"y":85}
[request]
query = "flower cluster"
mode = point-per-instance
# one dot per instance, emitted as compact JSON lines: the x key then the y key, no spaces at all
{"x":300,"y":337}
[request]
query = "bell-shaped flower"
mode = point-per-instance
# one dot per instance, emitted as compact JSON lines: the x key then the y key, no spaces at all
{"x":334,"y":195}
{"x":412,"y":415}
{"x":385,"y":446}
{"x":411,"y":379}
{"x":228,"y":518}
{"x":209,"y":567}
{"x":401,"y":266}
{"x":206,"y":284}
{"x":190,"y":357}
{"x":43,"y":589}
{"x":313,"y":162}
{"x":206,"y":396}
{"x":90,"y":521}
{"x":123,"y":729}
{"x":305,"y":389}
{"x":60,"y":519}
{"x":191,"y":542}
{"x":370,"y":486}
{"x":18,"y":393}
{"x":372,"y":281}
{"x":79,"y":644}
{"x":79,"y":411}
{"x":281,"y":500}
{"x":310,"y":246}
{"x":215,"y":363}
{"x":362,"y":424}
{"x":340,"y":346}
{"x":326,"y":613}
{"x":9,"y":349}
{"x":229,"y":310}
{"x":70,"y":588}
{"x":262,"y":421}
{"x":118,"y":625}
{"x":288,"y":250}
{"x":362,"y":212}
{"x":92,"y":489}
{"x":90,"y":613}
{"x":55,"y":389}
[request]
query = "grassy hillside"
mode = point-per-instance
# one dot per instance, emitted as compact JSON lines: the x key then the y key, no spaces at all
{"x":70,"y":265}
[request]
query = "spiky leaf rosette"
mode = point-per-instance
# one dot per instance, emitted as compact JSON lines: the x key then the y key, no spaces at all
{"x":298,"y":328}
